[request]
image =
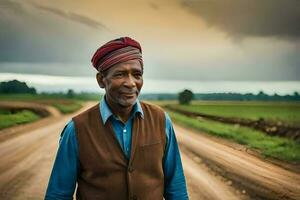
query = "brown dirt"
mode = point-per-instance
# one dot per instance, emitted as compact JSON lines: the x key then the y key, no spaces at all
{"x":203,"y":183}
{"x":40,"y":109}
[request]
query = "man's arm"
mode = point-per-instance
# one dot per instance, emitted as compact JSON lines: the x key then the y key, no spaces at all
{"x":63,"y":178}
{"x":175,"y":185}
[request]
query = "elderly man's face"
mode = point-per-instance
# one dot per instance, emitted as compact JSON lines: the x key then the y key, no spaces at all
{"x":122,"y":83}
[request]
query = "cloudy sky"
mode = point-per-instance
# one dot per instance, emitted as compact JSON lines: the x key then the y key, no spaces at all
{"x":201,"y":40}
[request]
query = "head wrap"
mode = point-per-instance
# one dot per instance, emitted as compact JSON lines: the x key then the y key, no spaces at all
{"x":116,"y":51}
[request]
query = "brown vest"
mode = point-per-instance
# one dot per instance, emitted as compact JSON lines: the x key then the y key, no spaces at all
{"x":105,"y":172}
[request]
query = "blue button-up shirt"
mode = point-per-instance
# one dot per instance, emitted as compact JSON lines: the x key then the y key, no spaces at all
{"x":66,"y":167}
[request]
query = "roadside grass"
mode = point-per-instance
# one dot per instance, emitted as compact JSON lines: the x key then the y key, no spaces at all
{"x":285,"y":112}
{"x":269,"y":146}
{"x":8,"y":119}
{"x":162,"y":103}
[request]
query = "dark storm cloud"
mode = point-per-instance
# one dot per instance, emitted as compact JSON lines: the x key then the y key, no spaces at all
{"x":73,"y":17}
{"x":29,"y":35}
{"x":242,"y":18}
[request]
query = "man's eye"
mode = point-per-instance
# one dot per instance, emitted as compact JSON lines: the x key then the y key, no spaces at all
{"x":118,"y":75}
{"x":138,"y":75}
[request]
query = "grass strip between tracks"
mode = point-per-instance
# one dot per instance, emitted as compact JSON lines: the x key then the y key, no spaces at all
{"x":269,"y":146}
{"x":10,"y":119}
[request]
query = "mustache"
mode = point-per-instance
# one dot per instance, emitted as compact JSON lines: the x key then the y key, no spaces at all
{"x":129,"y":91}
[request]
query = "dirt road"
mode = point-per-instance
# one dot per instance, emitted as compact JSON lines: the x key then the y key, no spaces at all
{"x":27,"y":159}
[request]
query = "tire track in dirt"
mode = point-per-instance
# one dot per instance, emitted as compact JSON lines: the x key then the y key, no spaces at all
{"x":207,"y":185}
{"x":259,"y":177}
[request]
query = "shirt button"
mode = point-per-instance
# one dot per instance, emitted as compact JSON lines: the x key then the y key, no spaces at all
{"x":124,"y":130}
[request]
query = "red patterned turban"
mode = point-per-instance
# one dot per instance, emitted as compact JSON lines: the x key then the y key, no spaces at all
{"x":116,"y":51}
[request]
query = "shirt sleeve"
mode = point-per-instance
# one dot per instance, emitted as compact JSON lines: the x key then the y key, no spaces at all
{"x":63,"y":178}
{"x":175,"y":184}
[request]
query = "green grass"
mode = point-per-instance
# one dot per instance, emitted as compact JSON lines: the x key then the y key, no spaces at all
{"x":288,"y":113}
{"x":4,"y":111}
{"x":8,"y":119}
{"x":67,"y":108}
{"x":269,"y":146}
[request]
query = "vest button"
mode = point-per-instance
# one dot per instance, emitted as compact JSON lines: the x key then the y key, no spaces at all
{"x":130,"y":169}
{"x":134,"y":197}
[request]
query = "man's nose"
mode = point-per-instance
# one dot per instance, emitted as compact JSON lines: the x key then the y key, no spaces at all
{"x":130,"y":81}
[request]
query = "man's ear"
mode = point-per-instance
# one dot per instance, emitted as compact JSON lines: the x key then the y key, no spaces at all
{"x":100,"y":81}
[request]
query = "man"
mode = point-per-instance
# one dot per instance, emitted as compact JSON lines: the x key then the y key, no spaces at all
{"x":121,"y":148}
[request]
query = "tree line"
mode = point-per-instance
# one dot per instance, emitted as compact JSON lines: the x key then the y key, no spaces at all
{"x":15,"y":87}
{"x":187,"y":95}
{"x":184,"y":97}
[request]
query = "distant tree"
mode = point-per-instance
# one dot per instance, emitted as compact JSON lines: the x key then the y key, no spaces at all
{"x":16,"y":86}
{"x":185,"y":97}
{"x":296,"y":96}
{"x":262,"y":96}
{"x":261,"y":93}
{"x":70,"y":93}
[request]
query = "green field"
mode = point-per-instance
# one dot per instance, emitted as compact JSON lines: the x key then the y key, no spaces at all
{"x":8,"y":119}
{"x":286,"y":112}
{"x":269,"y":146}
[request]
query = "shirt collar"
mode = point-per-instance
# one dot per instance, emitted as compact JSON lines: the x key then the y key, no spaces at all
{"x":106,"y":112}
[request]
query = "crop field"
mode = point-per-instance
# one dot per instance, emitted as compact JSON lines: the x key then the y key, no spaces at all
{"x":282,"y":112}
